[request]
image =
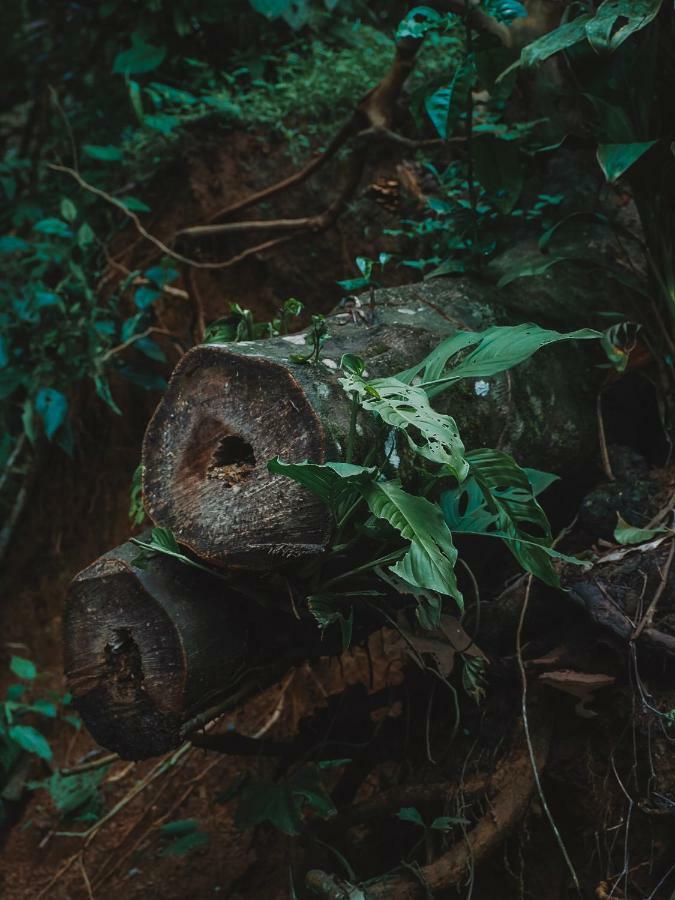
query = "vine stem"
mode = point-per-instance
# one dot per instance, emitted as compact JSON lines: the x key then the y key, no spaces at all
{"x":528,"y":739}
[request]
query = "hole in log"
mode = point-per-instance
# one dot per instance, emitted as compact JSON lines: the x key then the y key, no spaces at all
{"x":123,"y":663}
{"x":233,"y":460}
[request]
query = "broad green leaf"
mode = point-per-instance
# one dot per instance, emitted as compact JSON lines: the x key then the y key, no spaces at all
{"x":616,"y":20}
{"x":498,"y":500}
{"x":330,"y":481}
{"x":430,"y":560}
{"x":30,"y":739}
{"x":108,"y":153}
{"x":496,"y":349}
{"x":616,"y":159}
{"x":445,"y":105}
{"x":432,"y":435}
{"x":23,"y":668}
{"x":560,"y":38}
{"x":140,"y":57}
{"x":628,"y":534}
{"x":52,"y":407}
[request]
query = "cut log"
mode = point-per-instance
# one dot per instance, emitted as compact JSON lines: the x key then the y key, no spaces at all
{"x":148,"y":651}
{"x":230,"y":408}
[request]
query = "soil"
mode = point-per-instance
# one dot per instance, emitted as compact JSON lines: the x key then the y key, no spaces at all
{"x":598,"y":767}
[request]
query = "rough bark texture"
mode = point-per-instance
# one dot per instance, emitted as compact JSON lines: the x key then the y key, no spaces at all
{"x":149,"y":649}
{"x":232,"y":407}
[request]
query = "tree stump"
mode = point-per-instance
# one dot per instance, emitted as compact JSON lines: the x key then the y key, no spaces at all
{"x":230,"y":408}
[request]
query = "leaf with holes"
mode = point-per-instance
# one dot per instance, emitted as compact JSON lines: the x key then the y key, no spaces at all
{"x":616,"y":20}
{"x":499,"y":500}
{"x":432,"y":435}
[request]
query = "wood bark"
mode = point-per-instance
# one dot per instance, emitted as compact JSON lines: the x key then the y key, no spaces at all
{"x":150,"y":650}
{"x":230,"y":408}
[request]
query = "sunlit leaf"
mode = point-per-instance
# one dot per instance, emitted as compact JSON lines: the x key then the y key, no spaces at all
{"x":616,"y":159}
{"x":30,"y":739}
{"x":628,"y":534}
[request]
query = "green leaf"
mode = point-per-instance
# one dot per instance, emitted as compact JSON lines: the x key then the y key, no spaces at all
{"x":140,"y":57}
{"x":68,"y":210}
{"x":417,"y":22}
{"x":445,"y":823}
{"x":180,"y":827}
{"x":186,"y":843}
{"x":31,"y":740}
{"x":103,"y":390}
{"x":11,"y":244}
{"x":445,"y":105}
{"x":496,"y":349}
{"x":109,"y":153}
{"x":538,"y":267}
{"x":161,"y":122}
{"x":53,"y":226}
{"x":431,"y":434}
{"x":498,"y":500}
{"x":265,"y":801}
{"x":616,"y":20}
{"x":430,"y":560}
{"x":560,"y":38}
{"x":134,"y":204}
{"x":331,"y":482}
{"x":628,"y":534}
{"x":281,"y":802}
{"x":52,"y":407}
{"x":616,"y":159}
{"x":23,"y":668}
{"x":410,"y":814}
{"x":70,"y":793}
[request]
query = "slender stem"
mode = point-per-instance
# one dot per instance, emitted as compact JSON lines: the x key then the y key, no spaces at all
{"x":390,"y":557}
{"x":352,"y":427}
{"x":470,"y":177}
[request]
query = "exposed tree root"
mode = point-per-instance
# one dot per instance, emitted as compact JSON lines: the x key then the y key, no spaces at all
{"x":509,"y":789}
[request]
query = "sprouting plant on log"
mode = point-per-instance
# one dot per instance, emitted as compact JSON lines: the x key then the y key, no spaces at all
{"x":446,"y":491}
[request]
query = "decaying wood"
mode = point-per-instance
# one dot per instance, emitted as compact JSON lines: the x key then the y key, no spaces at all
{"x":151,"y":652}
{"x":230,"y":408}
{"x":630,"y":595}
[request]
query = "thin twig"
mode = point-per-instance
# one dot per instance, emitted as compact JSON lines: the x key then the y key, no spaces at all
{"x":646,"y":620}
{"x":93,"y":764}
{"x":530,"y":748}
